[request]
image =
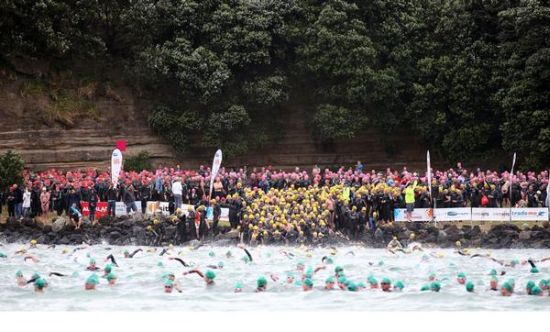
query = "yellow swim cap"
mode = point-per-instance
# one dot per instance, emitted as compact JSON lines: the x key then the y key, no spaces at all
{"x":33,"y":242}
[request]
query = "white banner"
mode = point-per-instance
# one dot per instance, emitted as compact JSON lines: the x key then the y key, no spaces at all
{"x":475,"y":214}
{"x":530,"y":214}
{"x":215,"y":168}
{"x":453,"y":214}
{"x":417,"y":215}
{"x":116,"y":166}
{"x":429,"y":172}
{"x":120,"y":209}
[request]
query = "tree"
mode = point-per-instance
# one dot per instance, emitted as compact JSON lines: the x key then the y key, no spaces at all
{"x":11,"y":169}
{"x":138,"y":162}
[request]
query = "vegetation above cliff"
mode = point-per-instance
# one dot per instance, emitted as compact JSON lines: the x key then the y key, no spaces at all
{"x":468,"y":76}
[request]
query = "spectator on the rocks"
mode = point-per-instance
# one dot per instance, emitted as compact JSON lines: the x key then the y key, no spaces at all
{"x":26,"y":203}
{"x":129,"y":199}
{"x":45,"y":201}
{"x":93,"y":199}
{"x":112,"y":198}
{"x":177,"y":191}
{"x":18,"y":201}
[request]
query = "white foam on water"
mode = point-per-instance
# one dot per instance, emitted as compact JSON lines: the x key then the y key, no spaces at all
{"x":141,"y":287}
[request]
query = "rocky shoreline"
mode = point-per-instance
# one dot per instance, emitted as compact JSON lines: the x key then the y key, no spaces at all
{"x":134,"y":231}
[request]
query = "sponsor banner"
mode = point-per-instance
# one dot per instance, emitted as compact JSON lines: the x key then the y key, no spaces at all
{"x":530,"y":214}
{"x":491,"y":214}
{"x":453,"y":214}
{"x":120,"y":209}
{"x":100,"y":210}
{"x":215,"y":168}
{"x":116,"y":166}
{"x":417,"y":215}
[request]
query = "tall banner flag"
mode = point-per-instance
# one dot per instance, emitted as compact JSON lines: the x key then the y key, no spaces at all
{"x":511,"y":183}
{"x":548,"y":191}
{"x":429,"y":176}
{"x":215,"y":169}
{"x":116,"y":166}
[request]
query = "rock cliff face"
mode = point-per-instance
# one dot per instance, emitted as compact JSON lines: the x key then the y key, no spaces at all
{"x":70,"y":123}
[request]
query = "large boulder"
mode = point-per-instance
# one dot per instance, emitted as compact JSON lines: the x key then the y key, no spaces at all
{"x":60,"y":223}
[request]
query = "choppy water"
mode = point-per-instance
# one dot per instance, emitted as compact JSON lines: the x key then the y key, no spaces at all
{"x":140,"y":284}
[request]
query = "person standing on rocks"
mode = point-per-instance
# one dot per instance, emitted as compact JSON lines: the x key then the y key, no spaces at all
{"x":112,"y":197}
{"x":45,"y":201}
{"x":177,"y":191}
{"x":18,"y":201}
{"x":93,"y":199}
{"x":129,"y":199}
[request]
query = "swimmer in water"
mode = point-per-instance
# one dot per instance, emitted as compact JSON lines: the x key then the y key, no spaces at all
{"x":179,"y":260}
{"x":39,"y":285}
{"x":208,"y":277}
{"x":216,"y":267}
{"x":307,"y":285}
{"x":127,"y":254}
{"x":92,"y":265}
{"x":31,"y":257}
{"x":111,"y":278}
{"x":461,"y":278}
{"x":261,"y":284}
{"x":175,"y":284}
{"x":394,"y":245}
{"x":506,"y":289}
{"x":329,"y":283}
{"x":398,"y":286}
{"x":20,"y":278}
{"x":107,"y":269}
{"x":385,"y":284}
{"x":112,"y":258}
{"x":91,"y":282}
{"x":238,"y":287}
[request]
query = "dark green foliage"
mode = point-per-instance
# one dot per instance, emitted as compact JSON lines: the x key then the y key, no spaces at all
{"x":138,"y":162}
{"x":11,"y":169}
{"x":468,"y":76}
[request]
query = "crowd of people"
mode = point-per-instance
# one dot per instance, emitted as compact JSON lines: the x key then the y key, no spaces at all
{"x":265,"y":203}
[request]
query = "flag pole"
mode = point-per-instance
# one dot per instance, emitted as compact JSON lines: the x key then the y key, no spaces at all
{"x":511,"y":184}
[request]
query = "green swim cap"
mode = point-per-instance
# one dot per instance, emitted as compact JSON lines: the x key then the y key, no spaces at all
{"x":507,"y":286}
{"x":111,"y":276}
{"x":536,"y":290}
{"x":18,"y":274}
{"x":515,"y":262}
{"x":308,"y":282}
{"x":530,"y":284}
{"x":228,"y":253}
{"x":361,"y":285}
{"x":290,"y":274}
{"x":372,"y":280}
{"x":300,"y":263}
{"x":220,"y":264}
{"x":543,"y":283}
{"x":470,"y":286}
{"x":36,"y":275}
{"x":512,"y":282}
{"x":108,"y":268}
{"x":168,"y":282}
{"x":425,"y":288}
{"x":239,"y":285}
{"x":2,"y":255}
{"x":261,"y":282}
{"x":309,"y":274}
{"x":126,"y":252}
{"x":381,"y":263}
{"x":399,"y":284}
{"x":329,"y":260}
{"x":160,"y":264}
{"x":342,"y":280}
{"x":338,"y":269}
{"x":88,"y":254}
{"x":93,"y":279}
{"x":435,"y":286}
{"x":534,"y":270}
{"x":461,"y":275}
{"x":493,"y":272}
{"x":386,"y":280}
{"x":330,"y":280}
{"x":352,"y":287}
{"x":92,"y":261}
{"x":210,"y":275}
{"x":40,"y":283}
{"x":211,"y":254}
{"x":245,"y":259}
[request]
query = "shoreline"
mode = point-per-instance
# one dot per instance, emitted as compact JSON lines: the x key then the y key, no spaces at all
{"x":134,"y":231}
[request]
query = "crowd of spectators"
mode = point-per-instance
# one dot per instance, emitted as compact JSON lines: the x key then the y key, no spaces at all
{"x":264,"y":202}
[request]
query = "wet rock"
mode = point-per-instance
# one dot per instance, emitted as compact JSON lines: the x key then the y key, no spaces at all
{"x":525,"y":235}
{"x":442,"y":236}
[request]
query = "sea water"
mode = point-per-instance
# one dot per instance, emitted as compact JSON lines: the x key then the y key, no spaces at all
{"x":140,"y":285}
